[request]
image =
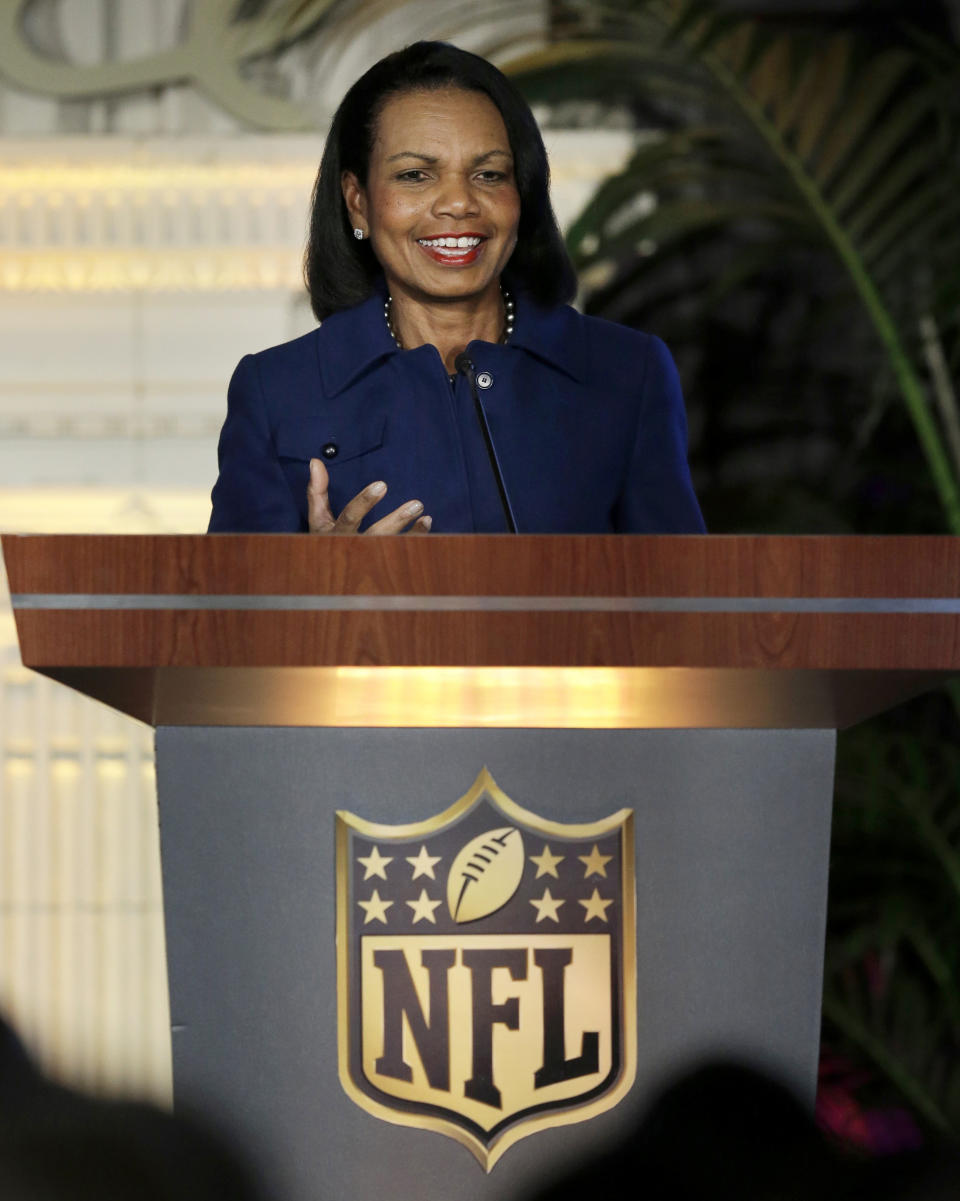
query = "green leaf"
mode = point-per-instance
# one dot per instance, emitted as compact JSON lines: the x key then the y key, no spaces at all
{"x":720,"y":28}
{"x":909,"y":170}
{"x":771,"y":80}
{"x":690,"y":21}
{"x":940,"y":848}
{"x":849,"y":1018}
{"x":747,"y":265}
{"x":882,"y":148}
{"x":678,"y":219}
{"x":874,"y":87}
{"x":817,"y":99}
{"x":926,"y":201}
{"x":743,"y":49}
{"x":644,"y":172}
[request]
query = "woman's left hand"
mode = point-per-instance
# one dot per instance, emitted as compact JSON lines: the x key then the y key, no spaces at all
{"x":322,"y":521}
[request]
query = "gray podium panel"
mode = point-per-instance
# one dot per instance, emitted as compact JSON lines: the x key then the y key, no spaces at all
{"x":732,"y":843}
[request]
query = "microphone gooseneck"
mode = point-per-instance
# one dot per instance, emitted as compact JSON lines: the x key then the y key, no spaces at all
{"x":465,"y":366}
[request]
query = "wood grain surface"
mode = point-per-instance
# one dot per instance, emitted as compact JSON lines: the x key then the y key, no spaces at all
{"x":223,"y":638}
{"x":134,"y":658}
{"x":524,"y":565}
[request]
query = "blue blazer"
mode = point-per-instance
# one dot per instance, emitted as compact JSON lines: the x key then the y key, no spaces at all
{"x":586,"y":417}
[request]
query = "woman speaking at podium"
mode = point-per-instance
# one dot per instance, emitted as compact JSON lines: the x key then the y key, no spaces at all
{"x":449,"y":385}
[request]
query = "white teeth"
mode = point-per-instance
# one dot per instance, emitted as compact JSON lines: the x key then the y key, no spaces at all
{"x":450,"y":243}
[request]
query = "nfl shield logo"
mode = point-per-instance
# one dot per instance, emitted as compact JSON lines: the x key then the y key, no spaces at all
{"x":486,"y":969}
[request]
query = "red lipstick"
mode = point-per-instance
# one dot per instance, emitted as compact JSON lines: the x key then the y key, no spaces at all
{"x":453,"y":256}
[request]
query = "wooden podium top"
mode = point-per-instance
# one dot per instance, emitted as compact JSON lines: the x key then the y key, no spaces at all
{"x":549,"y":630}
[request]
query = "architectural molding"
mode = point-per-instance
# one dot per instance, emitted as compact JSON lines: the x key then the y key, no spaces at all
{"x":216,"y":45}
{"x":181,"y":66}
{"x":206,"y":269}
{"x":93,"y":215}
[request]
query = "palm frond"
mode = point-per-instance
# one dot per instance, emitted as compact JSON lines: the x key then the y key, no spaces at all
{"x":892,"y":977}
{"x":845,"y":143}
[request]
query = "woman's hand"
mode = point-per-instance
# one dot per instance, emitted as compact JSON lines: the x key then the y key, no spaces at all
{"x":322,"y":520}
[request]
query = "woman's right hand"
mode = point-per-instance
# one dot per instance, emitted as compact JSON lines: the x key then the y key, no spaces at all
{"x":322,"y":520}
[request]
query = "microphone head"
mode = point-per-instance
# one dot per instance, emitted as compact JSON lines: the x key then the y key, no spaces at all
{"x":464,"y":364}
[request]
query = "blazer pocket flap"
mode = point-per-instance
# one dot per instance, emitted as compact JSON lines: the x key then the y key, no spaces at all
{"x":334,"y":444}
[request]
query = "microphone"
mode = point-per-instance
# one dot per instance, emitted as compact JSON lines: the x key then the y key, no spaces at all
{"x":464,"y":366}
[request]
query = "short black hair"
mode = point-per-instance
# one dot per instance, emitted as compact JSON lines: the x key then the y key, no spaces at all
{"x":341,"y":271}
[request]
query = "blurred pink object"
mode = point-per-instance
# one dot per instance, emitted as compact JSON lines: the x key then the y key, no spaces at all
{"x":839,"y":1113}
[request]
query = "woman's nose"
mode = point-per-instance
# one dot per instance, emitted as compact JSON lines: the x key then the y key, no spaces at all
{"x":455,"y":197}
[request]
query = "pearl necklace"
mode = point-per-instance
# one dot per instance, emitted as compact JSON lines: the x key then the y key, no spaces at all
{"x":509,"y":318}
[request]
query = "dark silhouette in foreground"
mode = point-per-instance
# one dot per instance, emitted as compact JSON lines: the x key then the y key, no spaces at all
{"x":59,"y":1145}
{"x":727,"y":1133}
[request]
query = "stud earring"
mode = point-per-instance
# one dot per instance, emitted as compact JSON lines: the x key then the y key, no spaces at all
{"x":358,"y":234}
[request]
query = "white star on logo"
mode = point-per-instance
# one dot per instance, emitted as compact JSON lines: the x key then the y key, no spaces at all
{"x":375,"y":864}
{"x":546,"y":863}
{"x":547,"y":906}
{"x":423,"y":907}
{"x":595,"y":906}
{"x":375,"y":908}
{"x":594,"y":864}
{"x":423,"y":864}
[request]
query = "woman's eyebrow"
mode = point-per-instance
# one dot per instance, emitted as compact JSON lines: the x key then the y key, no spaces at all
{"x":482,"y":158}
{"x":426,"y":158}
{"x":430,"y":158}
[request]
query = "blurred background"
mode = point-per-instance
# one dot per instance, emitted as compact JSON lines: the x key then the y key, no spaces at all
{"x":773,"y":188}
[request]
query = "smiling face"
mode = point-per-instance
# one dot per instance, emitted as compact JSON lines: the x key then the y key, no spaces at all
{"x":440,"y":206}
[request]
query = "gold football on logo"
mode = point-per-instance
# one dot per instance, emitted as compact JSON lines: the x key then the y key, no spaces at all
{"x":485,"y":874}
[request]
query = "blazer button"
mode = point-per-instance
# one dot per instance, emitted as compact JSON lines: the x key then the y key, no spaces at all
{"x":330,"y":450}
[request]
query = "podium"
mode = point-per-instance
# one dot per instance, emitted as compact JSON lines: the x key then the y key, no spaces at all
{"x":645,"y":727}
